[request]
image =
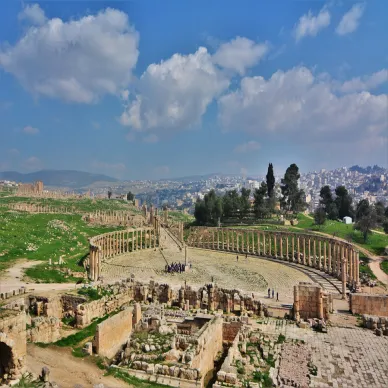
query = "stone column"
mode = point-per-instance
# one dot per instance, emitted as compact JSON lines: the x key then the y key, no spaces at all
{"x":324,"y":256}
{"x":357,"y":269}
{"x":309,"y":258}
{"x":227,"y":240}
{"x":269,"y":244}
{"x":281,"y":246}
{"x":275,"y":237}
{"x":298,"y":251}
{"x":329,"y":269}
{"x":343,"y":278}
{"x":91,"y":263}
{"x":304,"y":251}
{"x":242,"y":242}
{"x":287,"y":243}
{"x":296,"y":303}
{"x":350,"y":261}
{"x":248,"y":234}
{"x":258,"y":244}
{"x":232,"y":231}
{"x":222,"y":239}
{"x":253,"y":243}
{"x":264,"y":250}
{"x":319,"y":254}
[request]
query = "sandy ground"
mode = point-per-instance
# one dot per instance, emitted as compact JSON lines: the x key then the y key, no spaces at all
{"x":250,"y":274}
{"x":12,"y":278}
{"x":67,"y":370}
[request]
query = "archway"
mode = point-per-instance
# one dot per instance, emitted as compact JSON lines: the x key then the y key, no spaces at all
{"x":6,"y":360}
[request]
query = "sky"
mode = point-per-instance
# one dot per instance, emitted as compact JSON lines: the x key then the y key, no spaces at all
{"x":154,"y":89}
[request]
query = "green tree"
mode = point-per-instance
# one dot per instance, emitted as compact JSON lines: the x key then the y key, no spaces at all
{"x":230,"y":203}
{"x":270,"y":179}
{"x":130,"y":196}
{"x":260,"y":205}
{"x":109,"y":194}
{"x":366,"y":218}
{"x":245,"y":205}
{"x":327,"y":202}
{"x":344,"y":202}
{"x":332,"y":212}
{"x":209,"y":210}
{"x":380,"y":212}
{"x":293,"y":199}
{"x":320,"y":216}
{"x":385,"y":226}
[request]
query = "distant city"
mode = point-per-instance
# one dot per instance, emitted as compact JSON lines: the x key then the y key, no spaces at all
{"x":181,"y":194}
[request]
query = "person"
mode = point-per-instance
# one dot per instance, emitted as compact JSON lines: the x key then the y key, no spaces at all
{"x":273,"y":293}
{"x":246,"y":256}
{"x":237,"y":258}
{"x":277,"y":297}
{"x":269,"y":292}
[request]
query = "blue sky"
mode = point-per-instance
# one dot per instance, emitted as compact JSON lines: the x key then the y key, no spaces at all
{"x":158,"y":89}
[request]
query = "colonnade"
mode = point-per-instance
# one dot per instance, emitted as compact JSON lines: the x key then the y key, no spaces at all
{"x":108,"y":245}
{"x":335,"y":257}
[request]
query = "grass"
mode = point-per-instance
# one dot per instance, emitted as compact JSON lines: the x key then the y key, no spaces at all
{"x":384,"y":266}
{"x":93,"y":293}
{"x":45,"y":236}
{"x":86,"y":332}
{"x":134,"y":381}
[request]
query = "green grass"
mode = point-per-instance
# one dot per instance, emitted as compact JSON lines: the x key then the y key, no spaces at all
{"x":180,"y":216}
{"x":384,"y":266}
{"x":93,"y":293}
{"x":45,"y":236}
{"x":134,"y":381}
{"x":86,"y":332}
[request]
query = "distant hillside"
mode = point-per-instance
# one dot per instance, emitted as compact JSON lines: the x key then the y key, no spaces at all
{"x":58,"y":178}
{"x":367,"y":170}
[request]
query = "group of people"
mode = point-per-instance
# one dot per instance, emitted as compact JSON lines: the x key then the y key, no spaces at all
{"x":175,"y":267}
{"x":273,"y":294}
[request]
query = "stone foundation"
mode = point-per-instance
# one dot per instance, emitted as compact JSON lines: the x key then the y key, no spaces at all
{"x":369,"y":304}
{"x":44,"y":330}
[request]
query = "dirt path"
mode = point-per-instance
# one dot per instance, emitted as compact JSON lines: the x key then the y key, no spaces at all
{"x":12,"y":278}
{"x":67,"y":370}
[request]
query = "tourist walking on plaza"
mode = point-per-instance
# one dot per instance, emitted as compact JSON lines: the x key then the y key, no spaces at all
{"x":273,"y":293}
{"x":237,"y":258}
{"x":277,"y":297}
{"x":269,"y":292}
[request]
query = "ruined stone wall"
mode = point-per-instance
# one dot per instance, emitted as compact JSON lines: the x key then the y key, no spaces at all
{"x":44,"y":330}
{"x":369,"y":304}
{"x":113,"y":333}
{"x":12,"y":293}
{"x":230,"y":330}
{"x":309,"y":302}
{"x":13,"y":344}
{"x":209,"y":345}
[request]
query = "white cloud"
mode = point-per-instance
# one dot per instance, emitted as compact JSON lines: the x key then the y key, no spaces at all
{"x":309,"y":24}
{"x":151,"y":138}
{"x":28,"y":130}
{"x":247,"y":147}
{"x":77,"y":61}
{"x":175,"y":93}
{"x":365,"y":83}
{"x":240,"y":54}
{"x":162,"y":170}
{"x":13,"y":151}
{"x":296,"y":103}
{"x":350,"y":21}
{"x":33,"y":14}
{"x":33,"y":163}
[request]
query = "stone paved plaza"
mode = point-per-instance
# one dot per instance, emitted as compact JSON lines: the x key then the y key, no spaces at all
{"x":346,"y":356}
{"x":252,"y":274}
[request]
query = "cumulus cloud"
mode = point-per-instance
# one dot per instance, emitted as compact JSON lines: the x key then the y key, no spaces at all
{"x":247,"y":147}
{"x":240,"y":54}
{"x":365,"y":83}
{"x":297,"y":103}
{"x":175,"y":93}
{"x":13,"y":151}
{"x":310,"y":25}
{"x":33,"y":14}
{"x":351,"y":20}
{"x":78,"y":60}
{"x":28,"y":130}
{"x":32,"y":163}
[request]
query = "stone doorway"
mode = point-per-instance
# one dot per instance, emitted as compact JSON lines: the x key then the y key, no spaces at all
{"x":6,"y":362}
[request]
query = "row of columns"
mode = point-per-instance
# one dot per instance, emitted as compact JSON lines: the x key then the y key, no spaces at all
{"x":335,"y":257}
{"x":119,"y":242}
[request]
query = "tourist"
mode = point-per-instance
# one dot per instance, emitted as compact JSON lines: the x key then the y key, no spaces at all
{"x":277,"y":297}
{"x":269,"y":293}
{"x":273,"y":293}
{"x":237,"y":258}
{"x":246,"y":256}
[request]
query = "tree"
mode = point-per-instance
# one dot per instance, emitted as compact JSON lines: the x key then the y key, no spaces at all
{"x":385,"y":226}
{"x":109,"y":194}
{"x":366,"y":218}
{"x":343,"y":202}
{"x":293,"y":199}
{"x":332,"y":212}
{"x":260,"y":207}
{"x":327,"y":201}
{"x":245,"y":204}
{"x":209,"y":210}
{"x":270,"y":181}
{"x":320,"y":216}
{"x":130,"y":196}
{"x":230,"y":203}
{"x":380,"y":212}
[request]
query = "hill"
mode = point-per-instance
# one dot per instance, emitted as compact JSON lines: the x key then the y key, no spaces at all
{"x":58,"y":178}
